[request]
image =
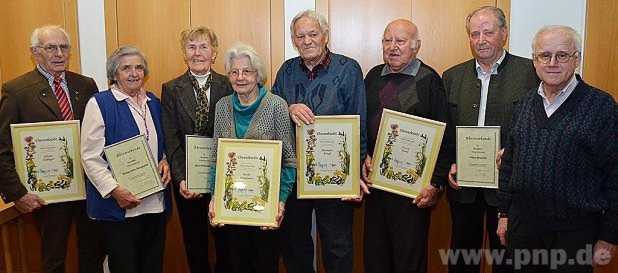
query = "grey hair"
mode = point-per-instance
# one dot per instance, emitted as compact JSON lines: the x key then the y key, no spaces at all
{"x":242,"y":50}
{"x":113,"y":61}
{"x":312,"y":14}
{"x":35,"y":38}
{"x":572,"y":35}
{"x":497,"y":12}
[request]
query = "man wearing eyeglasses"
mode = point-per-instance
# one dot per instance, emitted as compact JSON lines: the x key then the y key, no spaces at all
{"x":48,"y":93}
{"x":482,"y":91}
{"x":559,"y":171}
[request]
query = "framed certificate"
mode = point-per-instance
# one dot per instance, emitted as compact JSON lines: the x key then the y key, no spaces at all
{"x":201,"y":157}
{"x":405,"y":153}
{"x":133,"y":166}
{"x":476,"y":156}
{"x":247,"y":182}
{"x":48,"y":161}
{"x":328,"y":157}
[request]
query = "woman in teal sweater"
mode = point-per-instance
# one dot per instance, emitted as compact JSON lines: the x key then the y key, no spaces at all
{"x":252,"y":112}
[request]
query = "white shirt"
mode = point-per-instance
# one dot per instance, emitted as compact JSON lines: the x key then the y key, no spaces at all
{"x":93,"y":141}
{"x":485,"y":77}
{"x":201,"y":81}
{"x":551,"y":107}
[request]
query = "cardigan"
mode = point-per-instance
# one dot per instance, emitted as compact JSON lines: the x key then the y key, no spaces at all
{"x":271,"y":121}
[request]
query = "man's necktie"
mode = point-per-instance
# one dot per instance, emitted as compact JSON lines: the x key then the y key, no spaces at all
{"x":201,"y":111}
{"x":63,"y":101}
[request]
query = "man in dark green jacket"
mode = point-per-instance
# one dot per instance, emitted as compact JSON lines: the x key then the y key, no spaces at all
{"x":481,"y":92}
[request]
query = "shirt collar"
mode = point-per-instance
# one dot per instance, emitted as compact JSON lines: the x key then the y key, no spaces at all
{"x":411,"y":69}
{"x":119,"y":96}
{"x":494,"y":67}
{"x":205,"y":76}
{"x":48,"y":75}
{"x":312,"y":74}
{"x":566,"y":90}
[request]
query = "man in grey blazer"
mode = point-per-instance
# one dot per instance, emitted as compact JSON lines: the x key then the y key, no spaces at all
{"x":189,"y":109}
{"x":481,"y":92}
{"x":48,"y":93}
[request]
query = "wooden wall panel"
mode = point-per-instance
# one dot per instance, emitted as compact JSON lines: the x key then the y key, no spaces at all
{"x":443,"y":31}
{"x":17,"y":25}
{"x":235,"y":21}
{"x":357,"y":27}
{"x":154,"y":29}
{"x":600,"y":55}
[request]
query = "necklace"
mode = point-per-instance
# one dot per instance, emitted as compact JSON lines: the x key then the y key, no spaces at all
{"x":143,"y":114}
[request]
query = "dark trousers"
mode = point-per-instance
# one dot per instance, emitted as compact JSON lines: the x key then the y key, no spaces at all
{"x":54,"y":222}
{"x":396,"y":234}
{"x":136,"y":245}
{"x":194,"y":222}
{"x":467,"y":233}
{"x":334,"y":225}
{"x":252,"y":250}
{"x":527,"y":243}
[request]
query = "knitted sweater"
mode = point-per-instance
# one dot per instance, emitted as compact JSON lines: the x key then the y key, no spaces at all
{"x":562,"y":172}
{"x":271,"y":121}
{"x":337,"y":90}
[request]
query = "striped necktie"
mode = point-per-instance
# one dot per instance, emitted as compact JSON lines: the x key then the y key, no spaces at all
{"x":63,"y":101}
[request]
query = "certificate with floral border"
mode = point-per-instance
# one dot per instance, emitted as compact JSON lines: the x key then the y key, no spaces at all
{"x":405,"y":153}
{"x":48,"y":161}
{"x":328,"y":157}
{"x":200,"y":154}
{"x":247,"y":182}
{"x":133,"y":166}
{"x":477,"y":147}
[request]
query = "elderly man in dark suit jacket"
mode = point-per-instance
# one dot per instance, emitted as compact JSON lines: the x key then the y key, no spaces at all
{"x":481,"y":91}
{"x":48,"y":93}
{"x":189,"y":109}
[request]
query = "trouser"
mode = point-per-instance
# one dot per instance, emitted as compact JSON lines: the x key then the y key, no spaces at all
{"x":54,"y":223}
{"x":334,"y":226}
{"x":533,"y":250}
{"x":193,"y":216}
{"x":252,"y":250}
{"x":396,"y":232}
{"x":136,"y":245}
{"x":468,"y":232}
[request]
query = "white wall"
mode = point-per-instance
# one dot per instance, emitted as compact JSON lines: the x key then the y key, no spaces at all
{"x":528,"y":16}
{"x":92,"y":44}
{"x":292,"y":7}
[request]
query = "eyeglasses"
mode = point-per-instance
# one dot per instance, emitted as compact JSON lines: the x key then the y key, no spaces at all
{"x":561,"y":56}
{"x":54,"y":48}
{"x":201,"y":48}
{"x":244,"y":72}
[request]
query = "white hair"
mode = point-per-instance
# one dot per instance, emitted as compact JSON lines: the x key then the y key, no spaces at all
{"x":312,"y":14}
{"x":35,"y":38}
{"x":569,"y":32}
{"x":243,"y":50}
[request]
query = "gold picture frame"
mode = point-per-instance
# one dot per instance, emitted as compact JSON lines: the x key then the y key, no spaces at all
{"x":247,"y":182}
{"x":328,"y":158}
{"x":48,"y":160}
{"x":405,"y":153}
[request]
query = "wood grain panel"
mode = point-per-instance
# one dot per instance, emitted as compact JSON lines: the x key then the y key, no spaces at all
{"x":505,"y":5}
{"x":17,"y":21}
{"x":443,"y":30}
{"x":111,"y":26}
{"x":235,"y":21}
{"x":600,"y":55}
{"x":277,"y":36}
{"x":357,"y":27}
{"x":154,"y":29}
